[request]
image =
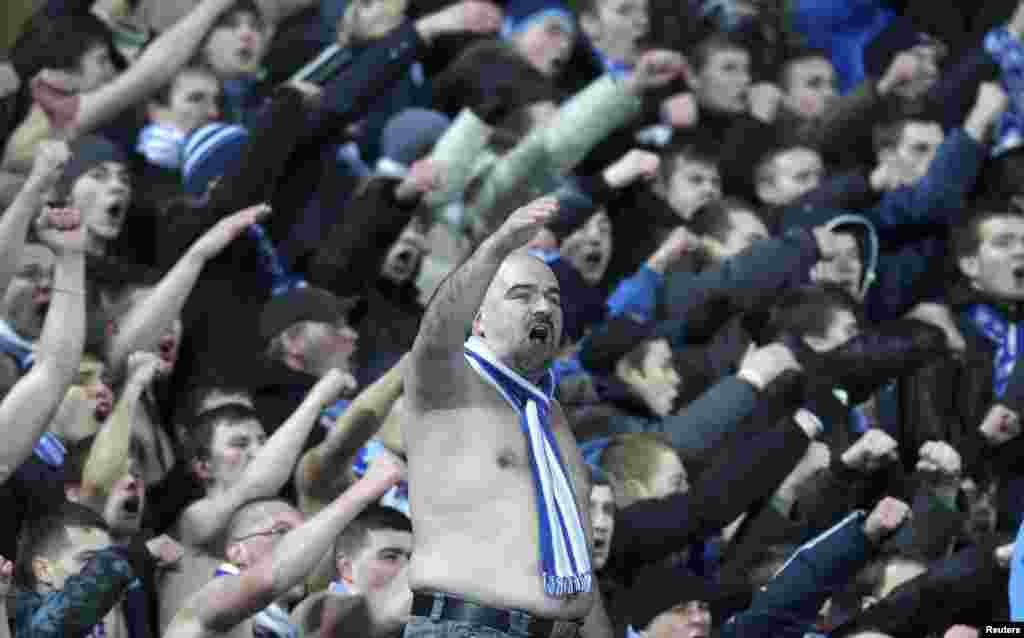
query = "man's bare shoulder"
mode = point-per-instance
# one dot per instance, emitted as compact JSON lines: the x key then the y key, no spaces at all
{"x":438,"y":381}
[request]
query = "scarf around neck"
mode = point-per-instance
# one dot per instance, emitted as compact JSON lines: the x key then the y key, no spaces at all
{"x":564,"y":554}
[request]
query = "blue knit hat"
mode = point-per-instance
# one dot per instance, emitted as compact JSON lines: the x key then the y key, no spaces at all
{"x":520,"y":14}
{"x":411,"y":134}
{"x":208,"y":153}
{"x":87,"y":152}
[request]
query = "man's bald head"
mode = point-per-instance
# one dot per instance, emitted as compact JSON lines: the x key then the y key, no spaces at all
{"x":258,"y":516}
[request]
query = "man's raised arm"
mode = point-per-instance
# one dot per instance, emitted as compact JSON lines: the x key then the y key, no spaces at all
{"x":155,"y":68}
{"x":14,"y":223}
{"x":227,"y":601}
{"x":267,"y":472}
{"x":437,"y":353}
{"x":150,"y":319}
{"x":30,"y":405}
{"x":321,"y":473}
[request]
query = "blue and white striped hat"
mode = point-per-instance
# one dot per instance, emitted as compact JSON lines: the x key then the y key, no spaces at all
{"x":208,"y":153}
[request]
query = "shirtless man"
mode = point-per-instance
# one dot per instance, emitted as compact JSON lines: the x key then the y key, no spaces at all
{"x":476,"y":555}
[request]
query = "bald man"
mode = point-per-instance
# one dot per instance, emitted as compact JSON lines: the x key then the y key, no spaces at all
{"x":498,"y":490}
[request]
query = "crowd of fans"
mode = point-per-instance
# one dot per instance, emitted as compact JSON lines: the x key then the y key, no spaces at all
{"x":766,"y":257}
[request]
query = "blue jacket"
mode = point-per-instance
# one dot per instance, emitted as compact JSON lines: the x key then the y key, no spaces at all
{"x":843,"y":28}
{"x":1017,"y":578}
{"x":788,"y":605}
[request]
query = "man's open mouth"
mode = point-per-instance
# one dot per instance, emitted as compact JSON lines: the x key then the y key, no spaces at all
{"x":132,"y":504}
{"x":541,"y":333}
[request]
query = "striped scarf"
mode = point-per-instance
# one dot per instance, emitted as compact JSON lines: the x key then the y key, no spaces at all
{"x":1007,"y":338}
{"x":565,"y":557}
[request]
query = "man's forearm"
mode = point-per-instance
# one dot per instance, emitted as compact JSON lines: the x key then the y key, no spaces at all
{"x":372,"y":404}
{"x":108,"y":456}
{"x":154,"y":68}
{"x":30,"y":405}
{"x":296,"y":555}
{"x":270,"y":468}
{"x":151,"y":318}
{"x":14,"y":225}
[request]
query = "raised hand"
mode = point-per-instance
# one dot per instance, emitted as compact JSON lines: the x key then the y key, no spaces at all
{"x":227,"y":230}
{"x":424,"y":176}
{"x":903,"y":70}
{"x":165,"y":550}
{"x":761,"y":366}
{"x":50,"y":159}
{"x":632,"y":166}
{"x":334,"y":384}
{"x":886,"y":518}
{"x":61,"y":229}
{"x":385,"y":469}
{"x":655,"y":69}
{"x":1001,"y":425}
{"x":470,"y":16}
{"x":939,"y":461}
{"x":681,"y":111}
{"x":872,"y":450}
{"x":523,"y":224}
{"x":680,"y":242}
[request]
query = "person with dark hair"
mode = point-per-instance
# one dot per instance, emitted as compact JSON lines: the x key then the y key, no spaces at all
{"x":368,"y":555}
{"x":75,"y":104}
{"x":40,"y":375}
{"x":73,"y":578}
{"x":237,"y":463}
{"x":952,"y":399}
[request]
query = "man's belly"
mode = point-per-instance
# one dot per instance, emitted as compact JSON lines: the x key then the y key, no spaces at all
{"x":489,"y":555}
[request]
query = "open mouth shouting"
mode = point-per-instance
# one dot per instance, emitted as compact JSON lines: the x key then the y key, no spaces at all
{"x":542,"y":333}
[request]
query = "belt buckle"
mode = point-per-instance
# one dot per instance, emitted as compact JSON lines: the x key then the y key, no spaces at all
{"x":564,"y":629}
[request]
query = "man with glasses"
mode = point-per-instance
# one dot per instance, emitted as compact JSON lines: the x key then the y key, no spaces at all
{"x":271,"y":551}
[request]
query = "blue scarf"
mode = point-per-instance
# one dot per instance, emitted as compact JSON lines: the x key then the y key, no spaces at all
{"x":1007,"y":338}
{"x":565,"y":557}
{"x":162,"y":146}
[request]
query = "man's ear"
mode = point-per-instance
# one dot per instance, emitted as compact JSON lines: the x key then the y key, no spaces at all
{"x":236,"y":554}
{"x":969,"y":266}
{"x":344,"y":567}
{"x":73,"y":492}
{"x":41,"y":569}
{"x":201,"y":468}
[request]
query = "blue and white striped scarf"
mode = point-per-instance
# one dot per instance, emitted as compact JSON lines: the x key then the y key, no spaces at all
{"x":565,"y":557}
{"x":1007,"y":338}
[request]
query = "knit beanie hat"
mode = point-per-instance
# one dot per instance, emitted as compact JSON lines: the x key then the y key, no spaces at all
{"x":411,"y":134}
{"x":86,"y":153}
{"x":520,"y":14}
{"x":208,"y":153}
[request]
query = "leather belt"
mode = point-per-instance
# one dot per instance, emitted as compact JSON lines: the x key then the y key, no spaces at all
{"x":509,"y":621}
